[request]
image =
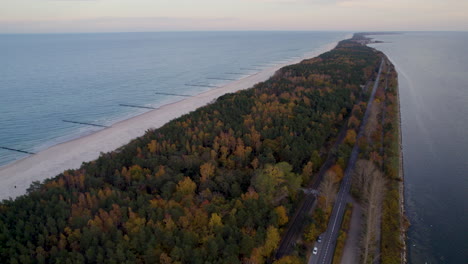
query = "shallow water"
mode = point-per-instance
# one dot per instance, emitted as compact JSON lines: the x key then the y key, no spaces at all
{"x":433,"y":78}
{"x":48,"y":78}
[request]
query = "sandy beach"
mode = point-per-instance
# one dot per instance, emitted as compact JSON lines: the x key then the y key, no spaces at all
{"x":17,"y":176}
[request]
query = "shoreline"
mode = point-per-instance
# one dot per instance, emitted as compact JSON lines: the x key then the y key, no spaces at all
{"x":401,"y":173}
{"x":401,"y":185}
{"x":401,"y":189}
{"x":16,"y":177}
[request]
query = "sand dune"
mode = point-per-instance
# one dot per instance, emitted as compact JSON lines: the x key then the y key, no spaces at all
{"x":16,"y":177}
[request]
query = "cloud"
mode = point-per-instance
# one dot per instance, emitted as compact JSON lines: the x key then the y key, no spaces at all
{"x":116,"y":24}
{"x":281,"y":1}
{"x":176,"y":15}
{"x":368,"y":3}
{"x":72,"y":0}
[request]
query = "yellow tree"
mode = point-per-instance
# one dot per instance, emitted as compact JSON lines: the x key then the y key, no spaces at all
{"x":338,"y":172}
{"x":206,"y":171}
{"x":288,"y":260}
{"x":215,"y":220}
{"x":350,"y":137}
{"x":152,"y":146}
{"x":186,"y":186}
{"x":272,"y":240}
{"x":282,"y":215}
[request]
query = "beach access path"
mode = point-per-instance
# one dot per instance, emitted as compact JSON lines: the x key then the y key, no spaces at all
{"x":15,"y":178}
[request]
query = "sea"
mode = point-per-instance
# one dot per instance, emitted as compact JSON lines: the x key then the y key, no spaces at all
{"x":100,"y":79}
{"x":433,"y":82}
{"x":87,"y":78}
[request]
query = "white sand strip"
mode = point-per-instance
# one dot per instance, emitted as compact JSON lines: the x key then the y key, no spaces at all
{"x":16,"y":177}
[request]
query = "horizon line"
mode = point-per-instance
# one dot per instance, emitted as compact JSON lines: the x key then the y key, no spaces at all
{"x":227,"y":30}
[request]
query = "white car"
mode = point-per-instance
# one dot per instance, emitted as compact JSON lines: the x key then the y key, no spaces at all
{"x":315,"y":251}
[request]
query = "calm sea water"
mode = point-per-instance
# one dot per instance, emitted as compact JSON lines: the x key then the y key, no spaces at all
{"x":433,"y":77}
{"x":45,"y":79}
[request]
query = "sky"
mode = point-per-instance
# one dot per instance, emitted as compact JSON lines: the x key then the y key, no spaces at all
{"x":59,"y":16}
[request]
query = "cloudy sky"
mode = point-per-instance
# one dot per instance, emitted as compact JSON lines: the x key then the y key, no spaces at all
{"x":40,"y":16}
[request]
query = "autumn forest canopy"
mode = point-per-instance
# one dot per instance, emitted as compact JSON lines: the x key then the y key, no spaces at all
{"x":217,"y":185}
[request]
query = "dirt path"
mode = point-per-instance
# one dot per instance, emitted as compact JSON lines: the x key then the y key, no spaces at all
{"x":351,"y":249}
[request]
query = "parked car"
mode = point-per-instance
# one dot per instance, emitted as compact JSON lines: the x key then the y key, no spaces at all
{"x":315,"y":251}
{"x":319,"y":239}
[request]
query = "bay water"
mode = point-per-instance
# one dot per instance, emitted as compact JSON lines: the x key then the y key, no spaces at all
{"x":433,"y":82}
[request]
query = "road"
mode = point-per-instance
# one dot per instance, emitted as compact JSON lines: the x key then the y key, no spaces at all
{"x":296,"y":225}
{"x":327,"y":247}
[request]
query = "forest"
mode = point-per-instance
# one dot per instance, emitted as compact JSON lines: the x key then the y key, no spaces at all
{"x":377,"y":182}
{"x":217,"y":185}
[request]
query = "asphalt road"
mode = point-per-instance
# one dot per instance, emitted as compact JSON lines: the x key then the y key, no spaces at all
{"x":296,"y":225}
{"x":327,"y":247}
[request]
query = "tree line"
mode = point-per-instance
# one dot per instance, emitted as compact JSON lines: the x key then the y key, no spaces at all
{"x":216,"y":185}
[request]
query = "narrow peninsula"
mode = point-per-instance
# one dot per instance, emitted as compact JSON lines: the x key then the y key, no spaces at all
{"x":303,"y":167}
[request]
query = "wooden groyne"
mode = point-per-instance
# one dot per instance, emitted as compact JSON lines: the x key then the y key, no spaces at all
{"x":83,"y":123}
{"x":222,"y":79}
{"x":201,"y":85}
{"x":236,"y":73}
{"x":18,"y":150}
{"x":173,"y":94}
{"x":250,"y":69}
{"x":138,"y":106}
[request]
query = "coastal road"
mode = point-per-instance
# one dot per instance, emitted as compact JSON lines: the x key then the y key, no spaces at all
{"x":296,"y":225}
{"x":327,"y":247}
